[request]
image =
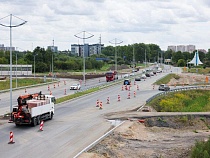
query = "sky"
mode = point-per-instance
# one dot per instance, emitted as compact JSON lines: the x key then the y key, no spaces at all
{"x":161,"y":22}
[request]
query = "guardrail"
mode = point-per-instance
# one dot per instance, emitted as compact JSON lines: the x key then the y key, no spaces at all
{"x":177,"y":89}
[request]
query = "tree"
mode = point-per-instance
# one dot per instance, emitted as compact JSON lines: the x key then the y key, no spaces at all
{"x":181,"y":63}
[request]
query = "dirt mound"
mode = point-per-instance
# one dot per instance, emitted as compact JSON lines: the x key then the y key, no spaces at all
{"x":165,"y":137}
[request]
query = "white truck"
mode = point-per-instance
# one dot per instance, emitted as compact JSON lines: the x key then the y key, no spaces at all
{"x":33,"y":108}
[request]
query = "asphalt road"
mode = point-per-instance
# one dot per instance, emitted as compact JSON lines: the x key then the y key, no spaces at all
{"x":77,"y":123}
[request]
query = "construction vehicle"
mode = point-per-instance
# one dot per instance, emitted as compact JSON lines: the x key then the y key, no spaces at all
{"x":32,"y":109}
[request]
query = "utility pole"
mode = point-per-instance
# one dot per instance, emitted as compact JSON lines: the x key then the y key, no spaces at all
{"x":116,"y":41}
{"x":11,"y":26}
{"x":52,"y":59}
{"x":145,"y":54}
{"x":84,"y":38}
{"x":133,"y":58}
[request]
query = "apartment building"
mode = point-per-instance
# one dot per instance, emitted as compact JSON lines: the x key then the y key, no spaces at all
{"x":88,"y":50}
{"x":182,"y":48}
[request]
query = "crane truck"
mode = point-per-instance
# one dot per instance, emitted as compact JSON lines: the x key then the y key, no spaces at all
{"x":32,"y":109}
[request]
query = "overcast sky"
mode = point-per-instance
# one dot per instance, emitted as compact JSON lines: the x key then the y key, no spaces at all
{"x":162,"y":22}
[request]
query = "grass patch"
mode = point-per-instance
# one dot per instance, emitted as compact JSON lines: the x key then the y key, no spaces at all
{"x":184,"y":101}
{"x":199,"y":70}
{"x":167,"y":78}
{"x":21,"y":82}
{"x":75,"y":95}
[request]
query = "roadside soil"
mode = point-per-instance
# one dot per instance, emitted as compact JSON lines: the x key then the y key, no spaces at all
{"x":157,"y":137}
{"x":154,"y":137}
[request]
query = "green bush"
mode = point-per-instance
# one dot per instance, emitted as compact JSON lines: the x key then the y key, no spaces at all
{"x":201,"y":149}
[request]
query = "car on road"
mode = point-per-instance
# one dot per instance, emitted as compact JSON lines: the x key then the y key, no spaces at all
{"x":138,"y":78}
{"x":127,"y":82}
{"x":148,"y":75}
{"x":143,"y":76}
{"x":126,"y":76}
{"x":164,"y":87}
{"x":145,"y":109}
{"x":75,"y":86}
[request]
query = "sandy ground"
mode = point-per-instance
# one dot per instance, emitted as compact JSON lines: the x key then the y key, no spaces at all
{"x":134,"y":139}
{"x":156,"y":137}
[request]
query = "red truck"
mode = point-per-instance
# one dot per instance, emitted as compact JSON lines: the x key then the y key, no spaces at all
{"x":111,"y":76}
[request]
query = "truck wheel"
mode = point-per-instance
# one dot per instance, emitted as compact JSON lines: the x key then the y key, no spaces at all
{"x":17,"y":125}
{"x":38,"y":120}
{"x":51,"y":116}
{"x":34,"y":122}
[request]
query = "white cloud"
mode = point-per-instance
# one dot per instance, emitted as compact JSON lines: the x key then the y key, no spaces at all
{"x":164,"y":22}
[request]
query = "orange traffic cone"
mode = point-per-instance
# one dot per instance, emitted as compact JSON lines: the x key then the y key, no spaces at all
{"x":108,"y":100}
{"x":97,"y":103}
{"x":41,"y":126}
{"x":11,"y":141}
{"x":129,"y":95}
{"x":118,"y":97}
{"x":100,"y":105}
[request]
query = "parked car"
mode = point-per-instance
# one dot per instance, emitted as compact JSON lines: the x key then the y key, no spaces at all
{"x":75,"y":86}
{"x":164,"y":87}
{"x":127,"y":82}
{"x":138,"y":78}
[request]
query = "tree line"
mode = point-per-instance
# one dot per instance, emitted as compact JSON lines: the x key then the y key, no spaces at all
{"x":127,"y":54}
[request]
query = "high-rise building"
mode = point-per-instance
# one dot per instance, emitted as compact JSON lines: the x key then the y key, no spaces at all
{"x":182,"y":48}
{"x":173,"y":48}
{"x":88,"y":50}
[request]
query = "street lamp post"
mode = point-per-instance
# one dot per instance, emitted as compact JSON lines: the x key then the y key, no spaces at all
{"x":145,"y":55}
{"x":116,"y":41}
{"x":16,"y":69}
{"x":34,"y":65}
{"x":83,"y":37}
{"x":11,"y":26}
